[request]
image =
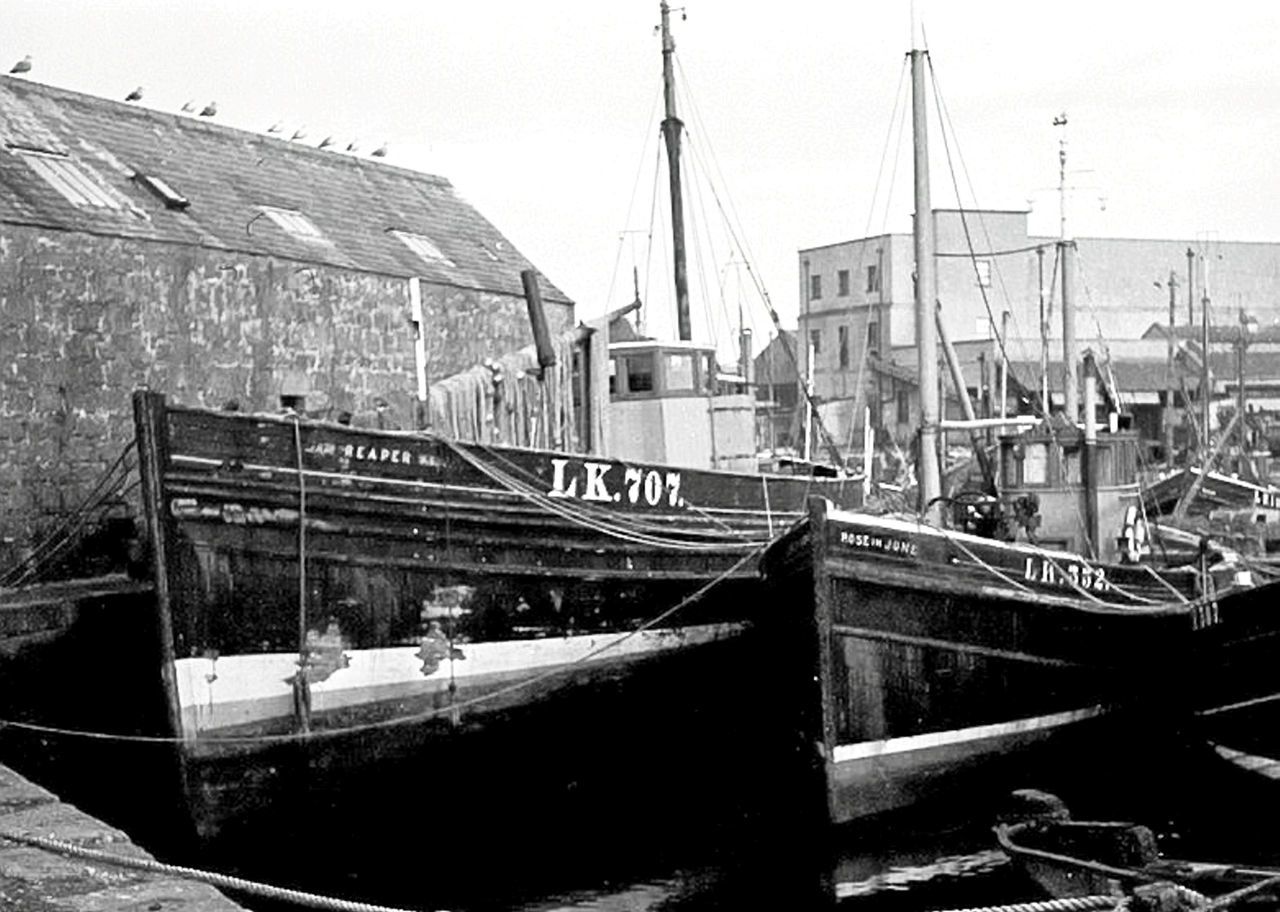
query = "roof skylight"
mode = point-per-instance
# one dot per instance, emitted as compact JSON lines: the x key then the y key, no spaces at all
{"x":66,"y":176}
{"x":423,"y":246}
{"x":295,"y":223}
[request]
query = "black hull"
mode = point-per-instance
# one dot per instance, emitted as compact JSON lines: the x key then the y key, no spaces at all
{"x":332,"y":614}
{"x":936,"y":654}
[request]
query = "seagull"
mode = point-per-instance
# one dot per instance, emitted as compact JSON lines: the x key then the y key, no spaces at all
{"x":22,"y":66}
{"x":300,"y":133}
{"x":380,"y":152}
{"x":189,"y":106}
{"x":275,"y":127}
{"x":210,"y":109}
{"x":135,"y":95}
{"x":325,"y":143}
{"x":353,"y":146}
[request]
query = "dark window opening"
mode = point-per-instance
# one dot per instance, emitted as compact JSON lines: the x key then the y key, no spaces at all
{"x":843,"y":335}
{"x":815,"y":287}
{"x":842,"y":282}
{"x":639,"y":373}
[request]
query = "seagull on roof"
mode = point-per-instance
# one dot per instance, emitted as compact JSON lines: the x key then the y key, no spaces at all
{"x":353,"y":146}
{"x":325,"y":143}
{"x":190,"y":105}
{"x":300,"y":133}
{"x":210,"y":109}
{"x":276,"y":127}
{"x":135,"y":95}
{"x":23,"y":65}
{"x":380,"y":152}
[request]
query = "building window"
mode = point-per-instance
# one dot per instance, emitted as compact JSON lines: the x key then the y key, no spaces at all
{"x":65,"y":176}
{"x":842,"y":283}
{"x":295,"y":223}
{"x":423,"y":246}
{"x":873,"y":336}
{"x":815,"y":340}
{"x":815,"y":287}
{"x":983,"y":269}
{"x":873,"y":278}
{"x":904,"y":406}
{"x":842,"y":334}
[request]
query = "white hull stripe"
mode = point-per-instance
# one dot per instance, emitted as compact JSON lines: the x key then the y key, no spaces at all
{"x":243,"y":689}
{"x":1254,"y":763}
{"x":863,"y":750}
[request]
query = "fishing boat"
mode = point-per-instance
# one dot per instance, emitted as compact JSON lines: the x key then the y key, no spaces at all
{"x":967,"y":649}
{"x":333,"y":606}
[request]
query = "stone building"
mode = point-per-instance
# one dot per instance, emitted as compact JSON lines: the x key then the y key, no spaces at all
{"x":218,"y":266}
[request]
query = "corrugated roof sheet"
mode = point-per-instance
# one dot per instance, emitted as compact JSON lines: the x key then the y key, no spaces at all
{"x":228,"y":175}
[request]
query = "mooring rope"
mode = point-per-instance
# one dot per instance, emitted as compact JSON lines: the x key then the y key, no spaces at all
{"x":212,"y":878}
{"x":1065,"y":904}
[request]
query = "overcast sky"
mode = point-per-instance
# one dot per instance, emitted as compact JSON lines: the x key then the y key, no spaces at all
{"x":543,"y":114}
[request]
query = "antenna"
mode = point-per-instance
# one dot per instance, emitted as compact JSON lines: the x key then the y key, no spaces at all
{"x":1061,"y":121}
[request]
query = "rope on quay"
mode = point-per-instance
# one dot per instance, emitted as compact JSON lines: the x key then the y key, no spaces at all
{"x":222,"y":881}
{"x":1065,"y":904}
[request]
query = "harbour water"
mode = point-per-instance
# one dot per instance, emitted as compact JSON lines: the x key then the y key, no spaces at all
{"x":656,"y":844}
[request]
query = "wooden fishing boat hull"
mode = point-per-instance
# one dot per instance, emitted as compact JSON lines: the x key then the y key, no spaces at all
{"x":340,"y":603}
{"x":935,"y":657}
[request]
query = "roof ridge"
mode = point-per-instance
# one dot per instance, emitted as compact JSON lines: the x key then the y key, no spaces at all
{"x":183,"y":121}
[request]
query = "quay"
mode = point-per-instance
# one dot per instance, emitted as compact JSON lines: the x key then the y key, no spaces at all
{"x":42,"y":880}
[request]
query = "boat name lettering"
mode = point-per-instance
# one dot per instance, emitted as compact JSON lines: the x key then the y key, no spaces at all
{"x":1065,"y":573}
{"x":596,"y":481}
{"x":870,"y":542}
{"x":360,"y":452}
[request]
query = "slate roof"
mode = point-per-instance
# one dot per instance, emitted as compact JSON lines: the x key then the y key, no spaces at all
{"x":228,"y":175}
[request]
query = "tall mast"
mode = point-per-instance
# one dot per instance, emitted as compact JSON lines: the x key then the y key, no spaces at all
{"x":927,"y":470}
{"x":671,"y":126}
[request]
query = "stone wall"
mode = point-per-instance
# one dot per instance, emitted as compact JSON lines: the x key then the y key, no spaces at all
{"x":85,"y":320}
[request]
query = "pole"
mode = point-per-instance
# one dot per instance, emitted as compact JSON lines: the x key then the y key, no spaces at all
{"x":1243,"y":430}
{"x":808,"y":409}
{"x":1069,"y":354}
{"x":927,"y":467}
{"x":1044,"y":340}
{"x":1206,"y":376}
{"x":966,"y":405}
{"x":1088,"y":461}
{"x":1191,"y":288}
{"x":1171,"y":393}
{"x":671,"y":127}
{"x":1004,"y":363}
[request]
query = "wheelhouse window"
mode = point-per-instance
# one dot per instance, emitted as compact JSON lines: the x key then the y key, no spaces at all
{"x":1035,"y":464}
{"x":680,"y":373}
{"x":639,"y":370}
